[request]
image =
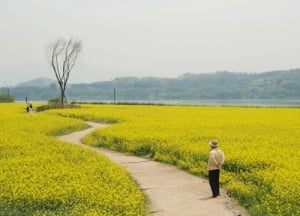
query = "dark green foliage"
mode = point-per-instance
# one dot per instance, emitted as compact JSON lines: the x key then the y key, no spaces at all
{"x":55,"y":100}
{"x":6,"y":98}
{"x":56,"y":106}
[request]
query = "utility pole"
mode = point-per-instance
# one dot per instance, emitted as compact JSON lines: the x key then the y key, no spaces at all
{"x":7,"y":84}
{"x":114,"y":95}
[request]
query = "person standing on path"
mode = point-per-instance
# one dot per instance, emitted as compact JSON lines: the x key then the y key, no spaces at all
{"x":215,"y":161}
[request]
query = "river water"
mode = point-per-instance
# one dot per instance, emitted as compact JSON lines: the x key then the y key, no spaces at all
{"x":207,"y":102}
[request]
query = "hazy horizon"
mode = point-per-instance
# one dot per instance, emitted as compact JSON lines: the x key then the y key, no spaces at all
{"x":159,"y":38}
{"x":54,"y":79}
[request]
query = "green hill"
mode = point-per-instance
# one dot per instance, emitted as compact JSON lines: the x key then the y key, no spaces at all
{"x":219,"y":85}
{"x":40,"y":82}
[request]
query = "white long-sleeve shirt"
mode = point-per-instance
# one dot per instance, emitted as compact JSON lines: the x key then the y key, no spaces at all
{"x":216,"y":159}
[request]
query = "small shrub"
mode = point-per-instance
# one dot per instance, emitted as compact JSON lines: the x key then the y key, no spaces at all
{"x":55,"y":100}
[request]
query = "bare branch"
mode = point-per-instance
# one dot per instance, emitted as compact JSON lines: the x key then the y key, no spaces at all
{"x":62,"y":56}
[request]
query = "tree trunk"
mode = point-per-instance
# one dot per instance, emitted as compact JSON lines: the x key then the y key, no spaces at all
{"x":62,"y":95}
{"x":62,"y":56}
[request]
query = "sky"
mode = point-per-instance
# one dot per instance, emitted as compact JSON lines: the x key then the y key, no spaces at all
{"x":142,"y":38}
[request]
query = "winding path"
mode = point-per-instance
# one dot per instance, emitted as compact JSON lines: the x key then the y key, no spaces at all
{"x":170,"y":191}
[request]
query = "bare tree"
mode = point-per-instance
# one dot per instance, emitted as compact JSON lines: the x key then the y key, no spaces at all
{"x":62,"y":56}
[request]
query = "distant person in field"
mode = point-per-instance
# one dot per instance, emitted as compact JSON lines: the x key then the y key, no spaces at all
{"x":215,"y":161}
{"x":30,"y":107}
{"x":27,"y":107}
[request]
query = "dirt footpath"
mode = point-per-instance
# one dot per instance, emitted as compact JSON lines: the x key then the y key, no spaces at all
{"x":170,"y":191}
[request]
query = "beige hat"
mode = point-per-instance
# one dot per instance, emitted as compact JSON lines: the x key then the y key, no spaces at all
{"x":213,"y":143}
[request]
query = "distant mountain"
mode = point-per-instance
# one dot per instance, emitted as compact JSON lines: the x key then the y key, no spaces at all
{"x":40,"y":82}
{"x":219,"y":85}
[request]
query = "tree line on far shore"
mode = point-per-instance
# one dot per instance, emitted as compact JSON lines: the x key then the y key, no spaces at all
{"x":6,"y":98}
{"x":219,"y":85}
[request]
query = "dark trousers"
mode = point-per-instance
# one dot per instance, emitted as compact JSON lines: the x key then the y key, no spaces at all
{"x":214,"y":176}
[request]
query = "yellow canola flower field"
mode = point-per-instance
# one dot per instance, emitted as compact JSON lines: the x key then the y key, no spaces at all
{"x":40,"y":175}
{"x":261,"y":146}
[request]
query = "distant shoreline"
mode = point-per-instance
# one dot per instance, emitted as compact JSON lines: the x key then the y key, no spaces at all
{"x":204,"y":102}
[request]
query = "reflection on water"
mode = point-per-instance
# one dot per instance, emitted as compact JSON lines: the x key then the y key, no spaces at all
{"x":234,"y":102}
{"x":266,"y":102}
{"x":263,"y":103}
{"x":260,"y":102}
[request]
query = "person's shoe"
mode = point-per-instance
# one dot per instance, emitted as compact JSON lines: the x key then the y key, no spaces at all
{"x":214,"y":196}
